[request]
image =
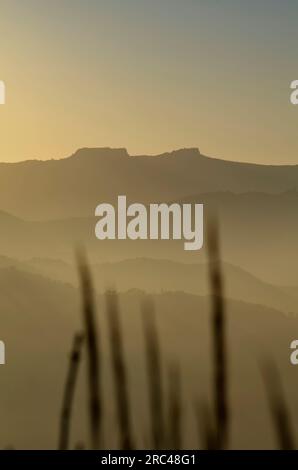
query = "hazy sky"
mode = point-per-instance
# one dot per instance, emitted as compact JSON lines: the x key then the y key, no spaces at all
{"x":149,"y":75}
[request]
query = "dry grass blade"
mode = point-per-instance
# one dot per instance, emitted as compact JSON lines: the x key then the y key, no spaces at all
{"x":219,"y":340}
{"x":119,"y":370}
{"x":69,"y":391}
{"x":79,"y":446}
{"x":205,"y":427}
{"x":95,"y":405}
{"x":278,"y":407}
{"x":175,"y":408}
{"x":154,"y":369}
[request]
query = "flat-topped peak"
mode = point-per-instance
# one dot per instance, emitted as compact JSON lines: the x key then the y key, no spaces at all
{"x":100,"y":151}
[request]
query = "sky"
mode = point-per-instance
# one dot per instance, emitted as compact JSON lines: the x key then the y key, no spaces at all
{"x":151,"y":76}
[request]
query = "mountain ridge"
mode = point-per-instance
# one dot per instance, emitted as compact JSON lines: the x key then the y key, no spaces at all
{"x":122,"y":151}
{"x":74,"y":186}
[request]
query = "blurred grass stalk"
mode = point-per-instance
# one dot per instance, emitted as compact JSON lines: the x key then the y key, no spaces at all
{"x":93,"y":363}
{"x":175,"y":408}
{"x":154,"y":372}
{"x":220,"y":384}
{"x":69,"y":391}
{"x":205,"y":426}
{"x":278,"y":407}
{"x":119,"y":371}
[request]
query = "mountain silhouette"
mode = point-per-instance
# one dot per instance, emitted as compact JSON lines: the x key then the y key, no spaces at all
{"x":74,"y":186}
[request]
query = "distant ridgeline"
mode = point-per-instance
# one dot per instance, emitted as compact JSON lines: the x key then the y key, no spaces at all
{"x":2,"y":92}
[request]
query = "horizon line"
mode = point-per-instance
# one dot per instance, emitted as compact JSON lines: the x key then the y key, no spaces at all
{"x":149,"y":155}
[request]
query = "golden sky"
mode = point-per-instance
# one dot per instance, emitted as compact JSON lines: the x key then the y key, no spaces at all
{"x":150,"y":76}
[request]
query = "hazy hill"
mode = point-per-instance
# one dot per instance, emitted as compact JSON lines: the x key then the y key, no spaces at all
{"x":161,"y":275}
{"x":74,"y":186}
{"x":258,"y":231}
{"x":156,"y":276}
{"x":257,"y":209}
